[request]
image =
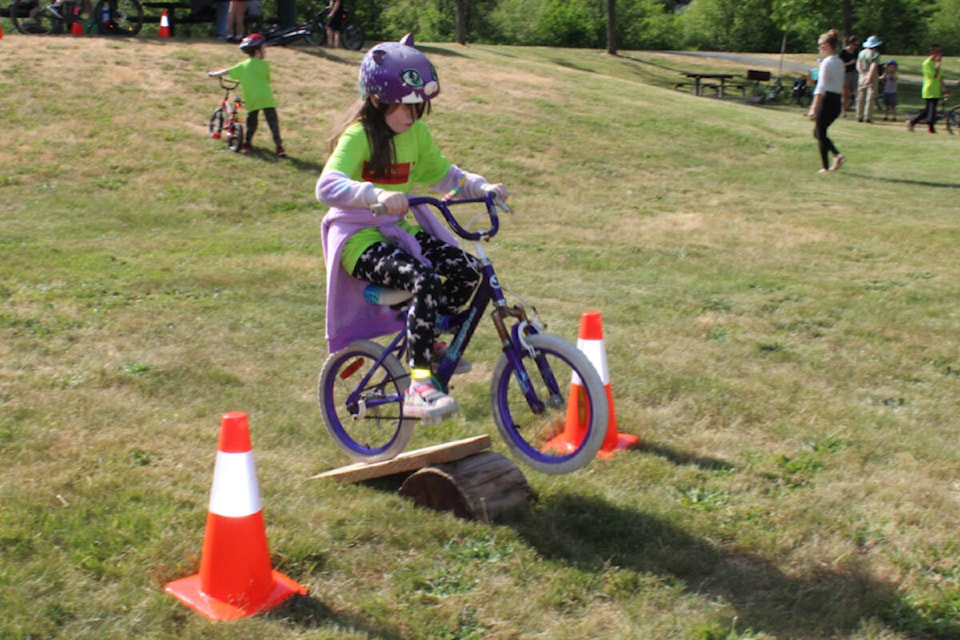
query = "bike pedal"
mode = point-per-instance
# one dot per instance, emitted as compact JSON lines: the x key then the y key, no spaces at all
{"x":429,"y":421}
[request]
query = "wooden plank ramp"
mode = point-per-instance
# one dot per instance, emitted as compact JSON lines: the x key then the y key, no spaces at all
{"x":409,"y":460}
{"x":459,"y":476}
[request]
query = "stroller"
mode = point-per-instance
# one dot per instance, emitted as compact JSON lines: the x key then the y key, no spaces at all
{"x":800,"y":92}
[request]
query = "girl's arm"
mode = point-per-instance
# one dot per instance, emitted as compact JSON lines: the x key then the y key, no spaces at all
{"x":217,"y":74}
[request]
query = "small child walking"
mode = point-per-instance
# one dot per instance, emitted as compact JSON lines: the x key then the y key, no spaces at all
{"x":890,"y":91}
{"x":253,"y":74}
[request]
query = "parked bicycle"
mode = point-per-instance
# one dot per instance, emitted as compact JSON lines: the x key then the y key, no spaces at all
{"x":361,"y":386}
{"x":949,"y":117}
{"x":351,"y":34}
{"x":227,"y":116}
{"x":107,"y":17}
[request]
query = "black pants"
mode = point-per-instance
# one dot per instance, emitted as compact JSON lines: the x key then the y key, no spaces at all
{"x":929,"y":114}
{"x":388,"y":265}
{"x":272,"y":121}
{"x":830,"y":108}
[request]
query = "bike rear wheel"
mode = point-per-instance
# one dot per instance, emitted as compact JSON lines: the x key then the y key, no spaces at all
{"x":545,"y":438}
{"x":119,"y":17}
{"x":361,"y":402}
{"x":235,"y":136}
{"x":33,"y":17}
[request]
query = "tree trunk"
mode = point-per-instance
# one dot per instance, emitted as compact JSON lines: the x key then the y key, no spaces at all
{"x":481,"y":486}
{"x":847,"y":18}
{"x":612,"y":27}
{"x":461,"y":6}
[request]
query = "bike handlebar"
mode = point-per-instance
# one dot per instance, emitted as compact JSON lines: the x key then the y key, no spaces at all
{"x":229,"y":85}
{"x":492,"y":200}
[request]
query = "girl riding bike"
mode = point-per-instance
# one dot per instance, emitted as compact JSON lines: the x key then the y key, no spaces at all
{"x":383,"y":151}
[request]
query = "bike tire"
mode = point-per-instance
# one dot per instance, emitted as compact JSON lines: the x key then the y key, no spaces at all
{"x":235,"y":137}
{"x":30,"y":17}
{"x":119,"y":17}
{"x":317,"y":35}
{"x":365,"y":433}
{"x":559,"y":373}
{"x":952,"y":120}
{"x":216,"y":122}
{"x":352,"y":37}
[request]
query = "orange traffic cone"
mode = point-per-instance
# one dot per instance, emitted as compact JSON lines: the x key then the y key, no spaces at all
{"x":236,"y":579}
{"x":1,"y":30}
{"x":164,"y":31}
{"x":76,"y":27}
{"x":590,"y":343}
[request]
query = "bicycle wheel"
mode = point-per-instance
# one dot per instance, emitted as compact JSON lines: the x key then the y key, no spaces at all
{"x":953,"y":120}
{"x":352,"y":37}
{"x":316,"y":33}
{"x":34,"y":17}
{"x":119,"y":17}
{"x":559,"y":374}
{"x":216,"y":123}
{"x":361,"y":402}
{"x":235,"y":136}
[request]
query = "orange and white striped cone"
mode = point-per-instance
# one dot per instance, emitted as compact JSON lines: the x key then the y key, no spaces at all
{"x":236,"y":579}
{"x":164,"y":31}
{"x":590,"y":342}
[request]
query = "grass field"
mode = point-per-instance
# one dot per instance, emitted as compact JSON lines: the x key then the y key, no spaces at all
{"x":783,"y":343}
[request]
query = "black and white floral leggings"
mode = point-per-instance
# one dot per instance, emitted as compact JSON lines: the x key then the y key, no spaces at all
{"x":443,"y":288}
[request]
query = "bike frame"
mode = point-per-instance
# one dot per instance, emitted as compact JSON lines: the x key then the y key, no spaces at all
{"x":467,"y":321}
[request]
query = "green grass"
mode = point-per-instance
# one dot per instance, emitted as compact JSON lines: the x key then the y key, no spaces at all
{"x":783,"y":343}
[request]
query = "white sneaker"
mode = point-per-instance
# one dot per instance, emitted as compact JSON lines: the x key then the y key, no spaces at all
{"x":425,"y":401}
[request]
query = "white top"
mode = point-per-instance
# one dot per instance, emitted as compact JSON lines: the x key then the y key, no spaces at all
{"x":830,"y":75}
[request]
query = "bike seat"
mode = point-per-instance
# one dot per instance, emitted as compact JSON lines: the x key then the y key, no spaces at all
{"x":375,"y":294}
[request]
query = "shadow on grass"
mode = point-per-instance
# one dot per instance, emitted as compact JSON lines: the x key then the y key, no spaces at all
{"x":915,"y":183}
{"x":683,"y":459}
{"x":268,"y":155}
{"x":592,"y":535}
{"x":308,"y":613}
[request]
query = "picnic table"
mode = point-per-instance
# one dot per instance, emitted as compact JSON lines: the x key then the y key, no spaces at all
{"x":699,"y":84}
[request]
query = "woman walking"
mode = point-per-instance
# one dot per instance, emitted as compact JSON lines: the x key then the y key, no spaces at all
{"x":827,"y":99}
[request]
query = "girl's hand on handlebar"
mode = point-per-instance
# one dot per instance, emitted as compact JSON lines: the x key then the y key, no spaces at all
{"x":498,"y":188}
{"x":395,"y":202}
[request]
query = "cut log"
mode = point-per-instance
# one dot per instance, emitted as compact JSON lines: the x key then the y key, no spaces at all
{"x":481,"y":486}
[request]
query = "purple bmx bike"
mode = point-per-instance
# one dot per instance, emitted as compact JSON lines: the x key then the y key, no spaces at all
{"x":361,"y":386}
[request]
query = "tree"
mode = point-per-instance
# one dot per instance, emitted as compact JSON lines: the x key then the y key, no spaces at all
{"x":461,"y":6}
{"x":612,"y":27}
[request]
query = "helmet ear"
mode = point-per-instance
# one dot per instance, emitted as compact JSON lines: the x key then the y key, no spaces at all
{"x":378,"y":55}
{"x":407,"y":40}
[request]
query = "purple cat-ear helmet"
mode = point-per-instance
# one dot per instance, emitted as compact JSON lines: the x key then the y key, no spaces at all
{"x":396,"y":72}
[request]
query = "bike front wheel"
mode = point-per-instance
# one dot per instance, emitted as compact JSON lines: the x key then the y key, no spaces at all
{"x":352,"y":37}
{"x":34,"y":17}
{"x":558,"y":424}
{"x":952,"y":120}
{"x":361,"y":402}
{"x":119,"y":17}
{"x":316,"y":33}
{"x":216,"y":123}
